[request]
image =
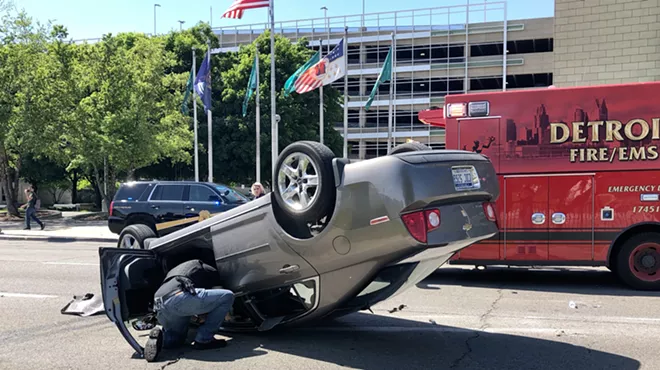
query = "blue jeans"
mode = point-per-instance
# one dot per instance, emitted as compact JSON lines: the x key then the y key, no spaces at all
{"x":31,"y":213}
{"x":176,"y":312}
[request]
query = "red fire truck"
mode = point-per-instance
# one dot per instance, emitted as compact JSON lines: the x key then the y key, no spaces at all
{"x":579,"y":173}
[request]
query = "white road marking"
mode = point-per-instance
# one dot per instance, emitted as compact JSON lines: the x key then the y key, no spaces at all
{"x":25,"y":295}
{"x":71,"y":263}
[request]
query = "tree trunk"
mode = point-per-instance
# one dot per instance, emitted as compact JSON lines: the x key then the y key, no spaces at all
{"x":6,"y":183}
{"x":97,"y":193}
{"x":74,"y":187}
{"x":104,"y":195}
{"x":131,"y":175}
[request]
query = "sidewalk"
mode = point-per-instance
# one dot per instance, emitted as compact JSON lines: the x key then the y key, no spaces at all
{"x":60,"y":230}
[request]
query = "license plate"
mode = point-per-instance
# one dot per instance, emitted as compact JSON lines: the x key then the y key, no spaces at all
{"x":465,"y":178}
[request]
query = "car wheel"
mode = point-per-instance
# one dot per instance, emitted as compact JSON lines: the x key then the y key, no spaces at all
{"x":304,"y":181}
{"x":638,"y":261}
{"x":409,"y":147}
{"x":133,"y":236}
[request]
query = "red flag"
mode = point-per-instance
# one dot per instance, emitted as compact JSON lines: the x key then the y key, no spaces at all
{"x":236,"y":9}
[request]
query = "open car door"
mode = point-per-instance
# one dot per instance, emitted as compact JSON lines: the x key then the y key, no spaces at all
{"x":129,"y":279}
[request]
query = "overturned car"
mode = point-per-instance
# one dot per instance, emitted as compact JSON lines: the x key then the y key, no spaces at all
{"x":333,"y":237}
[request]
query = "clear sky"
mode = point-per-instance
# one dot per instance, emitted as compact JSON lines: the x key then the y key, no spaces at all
{"x":93,"y":18}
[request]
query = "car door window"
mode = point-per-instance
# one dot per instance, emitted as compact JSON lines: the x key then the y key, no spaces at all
{"x":168,"y":193}
{"x":202,"y":194}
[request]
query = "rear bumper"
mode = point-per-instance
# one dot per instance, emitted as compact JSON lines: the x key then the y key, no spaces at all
{"x":116,"y":224}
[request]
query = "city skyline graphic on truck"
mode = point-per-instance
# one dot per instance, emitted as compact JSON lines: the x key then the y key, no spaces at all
{"x":564,"y":128}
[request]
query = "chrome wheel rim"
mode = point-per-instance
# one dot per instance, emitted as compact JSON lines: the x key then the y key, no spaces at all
{"x":298,"y":182}
{"x":129,"y":242}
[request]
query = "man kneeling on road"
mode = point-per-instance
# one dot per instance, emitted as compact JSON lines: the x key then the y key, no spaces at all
{"x":186,"y":292}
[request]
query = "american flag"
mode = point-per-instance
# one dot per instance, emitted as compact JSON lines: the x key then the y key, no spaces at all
{"x":326,"y":71}
{"x":236,"y":9}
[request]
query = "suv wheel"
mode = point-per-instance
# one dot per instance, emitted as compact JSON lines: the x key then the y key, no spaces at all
{"x":133,"y":236}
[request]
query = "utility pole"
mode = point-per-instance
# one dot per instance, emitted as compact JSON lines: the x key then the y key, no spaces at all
{"x":155,"y":6}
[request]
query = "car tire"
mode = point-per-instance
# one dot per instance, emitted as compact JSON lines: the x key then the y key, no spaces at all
{"x":409,"y":147}
{"x":629,"y":266}
{"x":290,"y":184}
{"x":133,"y":236}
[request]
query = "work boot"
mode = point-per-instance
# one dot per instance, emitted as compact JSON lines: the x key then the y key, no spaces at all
{"x":154,"y":344}
{"x":213,"y":344}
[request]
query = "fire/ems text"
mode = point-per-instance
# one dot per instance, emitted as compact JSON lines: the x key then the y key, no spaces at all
{"x":622,"y":154}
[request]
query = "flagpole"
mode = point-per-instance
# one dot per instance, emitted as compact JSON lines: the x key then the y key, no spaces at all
{"x":210,"y":119}
{"x":273,"y":110}
{"x":194,"y":63}
{"x":258,"y":113}
{"x":321,"y":98}
{"x":389,"y":115}
{"x":346,"y":92}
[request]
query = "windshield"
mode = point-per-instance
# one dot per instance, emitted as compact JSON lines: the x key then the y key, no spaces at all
{"x":231,"y":195}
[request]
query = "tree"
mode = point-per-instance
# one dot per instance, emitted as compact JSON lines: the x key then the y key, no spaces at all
{"x":234,"y":135}
{"x":129,"y":114}
{"x":24,"y":76}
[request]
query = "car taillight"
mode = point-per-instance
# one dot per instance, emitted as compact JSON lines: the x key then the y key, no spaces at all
{"x":421,"y":222}
{"x":112,"y":204}
{"x":489,"y":210}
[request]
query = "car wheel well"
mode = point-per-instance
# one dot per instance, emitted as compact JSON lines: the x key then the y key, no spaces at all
{"x":622,"y":238}
{"x":142,"y":218}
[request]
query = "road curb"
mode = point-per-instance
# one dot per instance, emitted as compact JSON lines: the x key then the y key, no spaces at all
{"x":61,"y":239}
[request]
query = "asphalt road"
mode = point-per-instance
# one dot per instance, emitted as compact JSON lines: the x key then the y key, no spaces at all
{"x":457,"y":319}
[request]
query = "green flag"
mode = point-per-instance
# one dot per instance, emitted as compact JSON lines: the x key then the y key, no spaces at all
{"x":384,"y":75}
{"x":252,"y":85}
{"x":289,"y":84}
{"x":189,"y":87}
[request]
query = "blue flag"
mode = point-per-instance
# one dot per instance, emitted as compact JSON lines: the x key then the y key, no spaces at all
{"x":203,"y":82}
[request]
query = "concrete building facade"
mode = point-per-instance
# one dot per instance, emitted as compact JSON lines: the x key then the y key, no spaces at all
{"x":606,"y":41}
{"x":439,"y":51}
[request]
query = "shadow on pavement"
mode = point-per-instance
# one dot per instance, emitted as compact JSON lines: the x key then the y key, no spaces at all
{"x":366,"y":341}
{"x":561,"y":280}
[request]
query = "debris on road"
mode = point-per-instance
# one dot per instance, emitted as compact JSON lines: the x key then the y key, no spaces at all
{"x":572,"y":304}
{"x":87,"y":305}
{"x":395,"y":309}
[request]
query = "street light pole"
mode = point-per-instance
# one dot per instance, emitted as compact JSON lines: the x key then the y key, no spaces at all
{"x":363,"y":8}
{"x":155,"y":6}
{"x":181,"y":24}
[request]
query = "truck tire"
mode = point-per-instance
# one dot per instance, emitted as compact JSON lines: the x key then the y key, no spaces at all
{"x":303,"y":182}
{"x":133,"y":236}
{"x":638,"y":261}
{"x":409,"y":147}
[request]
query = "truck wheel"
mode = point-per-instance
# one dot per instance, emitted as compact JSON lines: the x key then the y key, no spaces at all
{"x":304,"y":181}
{"x":133,"y":236}
{"x":409,"y":147}
{"x":638,"y":261}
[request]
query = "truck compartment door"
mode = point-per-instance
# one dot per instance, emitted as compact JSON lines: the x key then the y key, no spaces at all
{"x":526,"y":218}
{"x":571,"y":217}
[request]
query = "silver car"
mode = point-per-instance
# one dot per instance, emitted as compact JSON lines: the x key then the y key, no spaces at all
{"x":333,"y":237}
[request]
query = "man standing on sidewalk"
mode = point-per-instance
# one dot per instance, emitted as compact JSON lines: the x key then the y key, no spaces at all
{"x":31,"y":208}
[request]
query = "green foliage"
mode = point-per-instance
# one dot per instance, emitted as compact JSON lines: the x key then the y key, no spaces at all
{"x":234,"y":136}
{"x":66,"y":106}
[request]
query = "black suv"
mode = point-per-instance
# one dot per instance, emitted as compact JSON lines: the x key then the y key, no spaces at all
{"x":155,"y":208}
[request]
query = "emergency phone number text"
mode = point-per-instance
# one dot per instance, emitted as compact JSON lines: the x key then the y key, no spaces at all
{"x":623,"y":154}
